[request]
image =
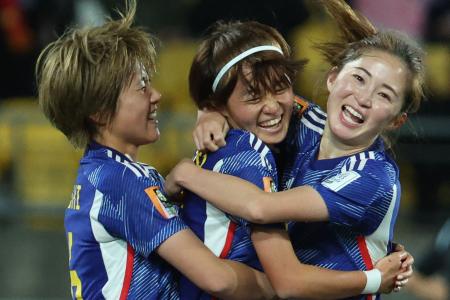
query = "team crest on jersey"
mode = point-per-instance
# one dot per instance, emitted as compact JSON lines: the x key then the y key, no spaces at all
{"x":161,"y":203}
{"x":200,"y":158}
{"x":269,"y":185}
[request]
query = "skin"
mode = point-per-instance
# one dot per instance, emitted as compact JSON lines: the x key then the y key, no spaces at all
{"x":135,"y":124}
{"x":266,"y":116}
{"x":365,"y":98}
{"x":137,"y":105}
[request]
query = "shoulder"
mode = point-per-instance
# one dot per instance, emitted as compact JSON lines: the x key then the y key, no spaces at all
{"x":373,"y":164}
{"x":243,"y":150}
{"x":121,"y":173}
{"x":239,"y":141}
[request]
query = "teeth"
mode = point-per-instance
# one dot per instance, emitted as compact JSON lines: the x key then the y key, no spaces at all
{"x":270,"y":122}
{"x":354,"y":113}
{"x":152,"y":115}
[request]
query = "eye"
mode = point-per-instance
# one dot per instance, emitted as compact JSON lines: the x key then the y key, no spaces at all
{"x":385,"y":96}
{"x":280,"y":91}
{"x":358,"y":78}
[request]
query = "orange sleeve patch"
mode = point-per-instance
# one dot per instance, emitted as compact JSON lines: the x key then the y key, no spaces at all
{"x":300,"y":105}
{"x":161,"y":204}
{"x":268,"y":185}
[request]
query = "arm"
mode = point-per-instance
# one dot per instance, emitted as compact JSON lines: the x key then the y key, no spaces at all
{"x":241,"y":198}
{"x":292,"y":279}
{"x":219,"y":277}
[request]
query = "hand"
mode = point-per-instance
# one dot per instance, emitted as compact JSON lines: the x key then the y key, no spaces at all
{"x":390,"y":267}
{"x":171,"y":185}
{"x":406,"y":268}
{"x":210,"y":131}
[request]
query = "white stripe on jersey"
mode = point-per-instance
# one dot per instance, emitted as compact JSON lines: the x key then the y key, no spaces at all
{"x":316,"y":118}
{"x":377,"y":241}
{"x":257,"y":145}
{"x":216,"y":224}
{"x":319,"y":111}
{"x":113,"y":251}
{"x":216,"y":229}
{"x":140,"y":167}
{"x":352,"y":163}
{"x":312,"y":126}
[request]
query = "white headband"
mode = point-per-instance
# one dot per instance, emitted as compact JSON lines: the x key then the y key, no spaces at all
{"x":240,"y":57}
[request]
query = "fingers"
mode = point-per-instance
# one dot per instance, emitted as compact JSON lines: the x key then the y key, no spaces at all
{"x":208,"y":138}
{"x":398,"y":247}
{"x":408,"y":261}
{"x":406,"y":274}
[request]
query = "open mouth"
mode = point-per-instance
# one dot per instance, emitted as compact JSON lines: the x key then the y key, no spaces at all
{"x":351,"y":115}
{"x":152,"y":115}
{"x":270,"y":123}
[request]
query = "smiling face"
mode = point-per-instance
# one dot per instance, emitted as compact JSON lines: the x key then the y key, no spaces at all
{"x":366,"y":97}
{"x":134,"y":122}
{"x":267,"y":116}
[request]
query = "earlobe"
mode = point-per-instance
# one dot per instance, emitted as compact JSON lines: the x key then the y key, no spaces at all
{"x":97,"y":119}
{"x":398,"y":121}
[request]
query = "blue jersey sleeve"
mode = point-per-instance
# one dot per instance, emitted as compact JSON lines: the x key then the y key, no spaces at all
{"x":136,"y":210}
{"x":257,"y":167}
{"x":359,"y":198}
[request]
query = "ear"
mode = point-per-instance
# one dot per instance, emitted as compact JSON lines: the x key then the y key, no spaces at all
{"x":98,"y":119}
{"x":331,"y":78}
{"x":398,"y":121}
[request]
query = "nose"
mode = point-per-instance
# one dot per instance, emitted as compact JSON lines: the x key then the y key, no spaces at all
{"x":271,"y":105}
{"x":364,"y":98}
{"x":155,"y":96}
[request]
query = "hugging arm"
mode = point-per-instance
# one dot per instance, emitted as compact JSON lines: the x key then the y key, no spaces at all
{"x":241,"y":198}
{"x":292,"y":279}
{"x":218,"y":277}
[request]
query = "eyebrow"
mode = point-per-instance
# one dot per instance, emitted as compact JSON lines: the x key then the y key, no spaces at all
{"x":384,"y":84}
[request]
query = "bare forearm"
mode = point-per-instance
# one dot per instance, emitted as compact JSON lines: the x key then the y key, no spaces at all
{"x":253,"y":284}
{"x":228,"y":193}
{"x":292,"y":279}
{"x":241,"y":198}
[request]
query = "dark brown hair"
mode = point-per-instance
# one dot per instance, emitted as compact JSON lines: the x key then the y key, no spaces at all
{"x":359,"y":36}
{"x":83,"y":72}
{"x":271,"y":71}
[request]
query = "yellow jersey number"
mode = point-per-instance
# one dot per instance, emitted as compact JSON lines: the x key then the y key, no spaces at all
{"x":75,"y":281}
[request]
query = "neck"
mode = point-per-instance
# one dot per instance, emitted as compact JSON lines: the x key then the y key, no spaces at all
{"x":330,"y":147}
{"x":113,"y":142}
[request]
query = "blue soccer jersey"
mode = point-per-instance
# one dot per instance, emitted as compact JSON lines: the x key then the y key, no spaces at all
{"x":244,"y":156}
{"x":361,"y":192}
{"x":117,"y":217}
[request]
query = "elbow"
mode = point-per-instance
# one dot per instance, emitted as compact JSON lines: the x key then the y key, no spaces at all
{"x":256,"y":213}
{"x":220,"y":287}
{"x":287,"y":289}
{"x":284,"y":291}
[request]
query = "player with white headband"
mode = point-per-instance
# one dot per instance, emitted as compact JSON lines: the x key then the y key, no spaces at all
{"x":243,"y":71}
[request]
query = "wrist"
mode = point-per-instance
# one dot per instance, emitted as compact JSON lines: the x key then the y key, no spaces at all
{"x":183,"y":174}
{"x":373,"y":281}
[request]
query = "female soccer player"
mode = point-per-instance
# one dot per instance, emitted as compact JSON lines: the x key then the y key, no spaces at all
{"x":123,"y":234}
{"x":347,"y":184}
{"x":255,"y":95}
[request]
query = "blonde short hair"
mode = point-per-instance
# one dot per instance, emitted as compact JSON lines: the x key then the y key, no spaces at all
{"x":83,"y":72}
